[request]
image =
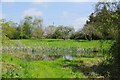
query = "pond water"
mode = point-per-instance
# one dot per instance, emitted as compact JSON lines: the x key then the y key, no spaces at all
{"x":68,"y":57}
{"x":52,"y":53}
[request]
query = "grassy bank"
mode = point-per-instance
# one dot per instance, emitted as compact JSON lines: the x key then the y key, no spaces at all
{"x":15,"y":67}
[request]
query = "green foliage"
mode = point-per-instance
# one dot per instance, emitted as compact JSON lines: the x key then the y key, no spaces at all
{"x":49,"y":31}
{"x":37,"y":33}
{"x":108,"y":20}
{"x":63,"y":32}
{"x":8,"y":28}
{"x":102,"y":24}
{"x":77,"y":35}
{"x":26,"y":27}
{"x":30,"y":27}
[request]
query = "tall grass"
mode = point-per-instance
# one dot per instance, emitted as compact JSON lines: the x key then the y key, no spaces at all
{"x":52,"y":51}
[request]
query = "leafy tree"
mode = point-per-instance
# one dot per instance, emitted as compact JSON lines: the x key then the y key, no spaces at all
{"x":90,"y":32}
{"x":17,"y":32}
{"x":49,"y":31}
{"x":63,"y":32}
{"x":4,"y":35}
{"x":100,"y":23}
{"x":115,"y":73}
{"x":107,"y":18}
{"x":26,"y":27}
{"x":8,"y":28}
{"x":37,"y":31}
{"x":77,"y":35}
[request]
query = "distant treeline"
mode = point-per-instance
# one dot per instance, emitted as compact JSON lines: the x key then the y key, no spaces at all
{"x":100,"y":25}
{"x":32,"y":27}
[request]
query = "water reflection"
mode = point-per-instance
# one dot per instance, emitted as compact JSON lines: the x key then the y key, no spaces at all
{"x":68,"y":57}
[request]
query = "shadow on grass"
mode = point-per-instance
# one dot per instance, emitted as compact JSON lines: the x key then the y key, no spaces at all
{"x":95,"y":71}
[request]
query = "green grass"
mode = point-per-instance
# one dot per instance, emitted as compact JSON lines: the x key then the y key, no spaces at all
{"x":37,"y":69}
{"x":51,"y":69}
{"x":45,"y":68}
{"x":62,"y":43}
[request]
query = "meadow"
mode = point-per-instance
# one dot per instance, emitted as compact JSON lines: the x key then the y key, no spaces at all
{"x":21,"y":63}
{"x":63,"y":43}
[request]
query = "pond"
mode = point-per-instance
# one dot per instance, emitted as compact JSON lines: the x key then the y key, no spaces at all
{"x":51,"y":53}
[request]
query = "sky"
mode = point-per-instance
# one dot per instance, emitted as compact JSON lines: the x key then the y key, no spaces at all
{"x":50,"y":0}
{"x":61,"y":13}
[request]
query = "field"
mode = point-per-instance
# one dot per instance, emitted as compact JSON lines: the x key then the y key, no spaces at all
{"x":63,"y":43}
{"x":22,"y":65}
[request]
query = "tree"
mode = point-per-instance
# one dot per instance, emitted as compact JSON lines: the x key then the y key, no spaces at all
{"x":37,"y":31}
{"x":49,"y":31}
{"x":90,"y":32}
{"x":108,"y":19}
{"x":63,"y":32}
{"x":31,"y":27}
{"x":8,"y":28}
{"x":17,"y":32}
{"x":116,"y":46}
{"x":100,"y":21}
{"x":26,"y":27}
{"x":77,"y":35}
